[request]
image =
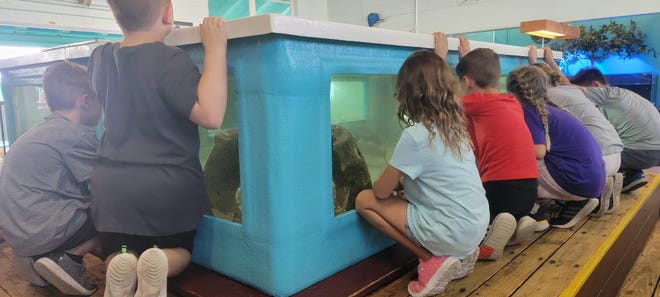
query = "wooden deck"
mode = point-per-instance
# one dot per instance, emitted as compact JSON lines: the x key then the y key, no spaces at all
{"x":590,"y":259}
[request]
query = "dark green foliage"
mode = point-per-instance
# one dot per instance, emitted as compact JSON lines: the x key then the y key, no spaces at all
{"x":597,"y":43}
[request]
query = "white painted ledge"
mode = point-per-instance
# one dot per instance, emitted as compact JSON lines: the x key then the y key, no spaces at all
{"x":279,"y":24}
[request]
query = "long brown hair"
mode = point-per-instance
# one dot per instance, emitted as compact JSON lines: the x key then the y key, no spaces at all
{"x":530,"y":85}
{"x":428,"y":94}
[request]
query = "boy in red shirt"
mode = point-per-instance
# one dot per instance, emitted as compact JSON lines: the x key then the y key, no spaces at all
{"x":503,"y":148}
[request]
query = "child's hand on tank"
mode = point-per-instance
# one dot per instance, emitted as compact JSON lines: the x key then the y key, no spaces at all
{"x":440,"y":44}
{"x":547,"y":56}
{"x":531,"y":54}
{"x":463,"y":46}
{"x":212,"y":32}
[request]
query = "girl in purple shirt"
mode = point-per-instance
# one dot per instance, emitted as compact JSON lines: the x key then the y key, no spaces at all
{"x":571,"y":167}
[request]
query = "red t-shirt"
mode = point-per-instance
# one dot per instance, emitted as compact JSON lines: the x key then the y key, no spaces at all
{"x":502,"y":143}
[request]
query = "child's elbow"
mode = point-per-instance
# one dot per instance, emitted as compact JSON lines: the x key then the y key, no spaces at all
{"x":207,"y":121}
{"x":211,"y":123}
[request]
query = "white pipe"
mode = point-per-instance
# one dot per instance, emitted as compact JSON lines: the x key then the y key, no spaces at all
{"x":253,"y":7}
{"x":292,"y":8}
{"x":416,"y":17}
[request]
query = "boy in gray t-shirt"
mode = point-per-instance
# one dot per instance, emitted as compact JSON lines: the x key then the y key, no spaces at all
{"x":635,"y":119}
{"x":44,"y":196}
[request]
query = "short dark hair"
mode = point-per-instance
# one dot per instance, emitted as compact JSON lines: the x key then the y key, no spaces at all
{"x":481,"y":65}
{"x":587,"y":76}
{"x":134,"y":15}
{"x":63,"y":83}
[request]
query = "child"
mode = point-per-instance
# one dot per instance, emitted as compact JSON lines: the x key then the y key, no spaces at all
{"x":44,"y":196}
{"x":503,"y":147}
{"x":148,"y":188}
{"x":444,"y":213}
{"x":571,"y":167}
{"x":573,"y":100}
{"x":634,"y":118}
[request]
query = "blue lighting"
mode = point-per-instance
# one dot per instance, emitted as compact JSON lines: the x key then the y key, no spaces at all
{"x":613,"y":65}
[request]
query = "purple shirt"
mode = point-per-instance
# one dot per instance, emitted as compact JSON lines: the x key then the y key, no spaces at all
{"x":574,"y":160}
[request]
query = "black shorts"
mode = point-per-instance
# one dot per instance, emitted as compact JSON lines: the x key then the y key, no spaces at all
{"x":515,"y":196}
{"x":113,"y":242}
{"x":85,"y":233}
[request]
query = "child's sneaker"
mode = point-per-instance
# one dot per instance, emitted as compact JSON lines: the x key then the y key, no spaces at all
{"x":572,"y":212}
{"x":25,"y":268}
{"x":541,"y":225}
{"x":467,"y":264}
{"x":434,"y":275}
{"x":121,"y":276}
{"x":152,"y":274}
{"x":65,"y":274}
{"x":541,"y":211}
{"x":633,"y":180}
{"x":616,"y":193}
{"x":503,"y":227}
{"x":605,"y":197}
{"x":524,"y":230}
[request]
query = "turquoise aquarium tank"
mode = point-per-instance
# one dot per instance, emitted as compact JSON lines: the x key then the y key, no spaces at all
{"x":311,"y":121}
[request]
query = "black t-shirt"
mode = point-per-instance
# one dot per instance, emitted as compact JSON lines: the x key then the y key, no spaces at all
{"x":147,"y":92}
{"x":149,"y":179}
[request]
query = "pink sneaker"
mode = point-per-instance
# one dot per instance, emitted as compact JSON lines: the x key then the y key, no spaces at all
{"x":433,"y":275}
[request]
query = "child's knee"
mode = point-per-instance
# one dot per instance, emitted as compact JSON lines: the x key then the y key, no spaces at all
{"x":363,"y":199}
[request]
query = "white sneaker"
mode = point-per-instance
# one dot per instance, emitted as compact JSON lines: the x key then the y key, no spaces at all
{"x":503,"y":227}
{"x":121,"y":276}
{"x":152,"y":274}
{"x":467,"y":264}
{"x":605,"y":196}
{"x":616,"y":193}
{"x":524,"y":230}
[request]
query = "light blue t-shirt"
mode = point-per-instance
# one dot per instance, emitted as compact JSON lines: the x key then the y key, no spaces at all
{"x":448,"y":211}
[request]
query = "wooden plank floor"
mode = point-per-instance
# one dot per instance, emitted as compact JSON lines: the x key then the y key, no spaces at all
{"x":543,"y":267}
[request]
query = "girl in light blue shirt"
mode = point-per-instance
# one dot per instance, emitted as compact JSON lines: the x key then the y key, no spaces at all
{"x":443,"y":214}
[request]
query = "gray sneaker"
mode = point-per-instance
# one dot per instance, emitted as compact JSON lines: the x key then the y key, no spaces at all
{"x":65,"y":274}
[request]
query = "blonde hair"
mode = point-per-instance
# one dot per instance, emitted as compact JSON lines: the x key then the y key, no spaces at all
{"x":428,"y":94}
{"x":529,"y":84}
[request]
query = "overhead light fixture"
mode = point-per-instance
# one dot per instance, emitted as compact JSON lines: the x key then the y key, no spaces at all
{"x":549,"y":29}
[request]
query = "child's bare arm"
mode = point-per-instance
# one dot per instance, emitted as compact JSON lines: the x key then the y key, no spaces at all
{"x":463,"y":46}
{"x":440,"y":44}
{"x":209,"y":110}
{"x":550,"y":60}
{"x":388,"y":183}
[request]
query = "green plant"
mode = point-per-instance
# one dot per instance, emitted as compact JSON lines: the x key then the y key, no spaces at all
{"x":596,"y":44}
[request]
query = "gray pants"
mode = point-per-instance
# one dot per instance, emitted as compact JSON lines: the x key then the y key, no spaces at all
{"x":635,"y":160}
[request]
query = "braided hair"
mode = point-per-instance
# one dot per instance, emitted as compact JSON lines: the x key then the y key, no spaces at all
{"x":552,"y":74}
{"x":529,"y":84}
